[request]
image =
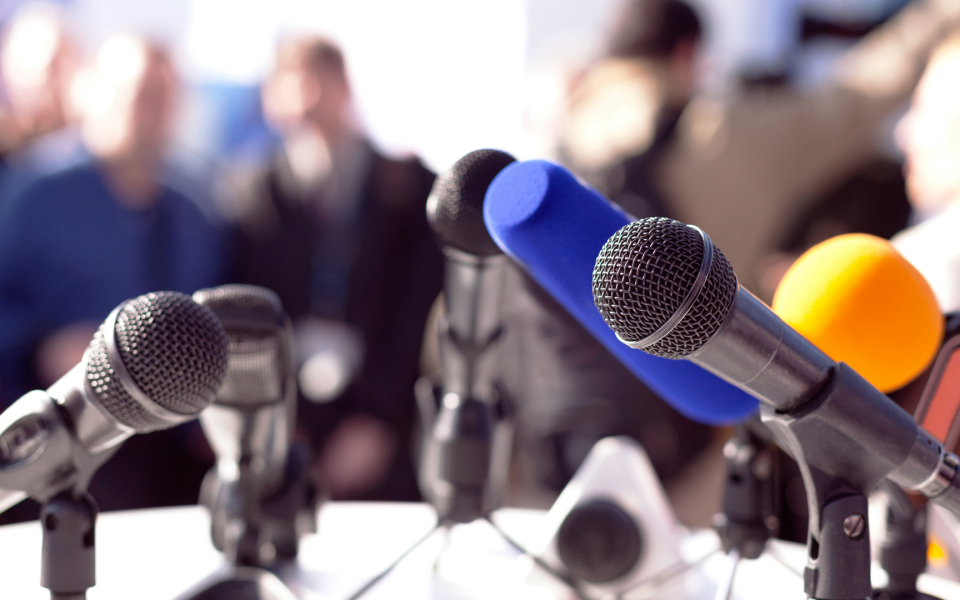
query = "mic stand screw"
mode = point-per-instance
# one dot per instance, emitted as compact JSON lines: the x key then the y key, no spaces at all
{"x":854,"y":526}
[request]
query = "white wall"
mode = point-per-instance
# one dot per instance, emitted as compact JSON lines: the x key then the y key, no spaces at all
{"x":435,"y":77}
{"x":441,"y":77}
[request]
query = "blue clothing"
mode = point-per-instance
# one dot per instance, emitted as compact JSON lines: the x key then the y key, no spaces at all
{"x":43,"y":155}
{"x":70,"y":252}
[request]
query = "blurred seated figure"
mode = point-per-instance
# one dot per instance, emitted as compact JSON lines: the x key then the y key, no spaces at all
{"x":565,"y":390}
{"x":37,"y":64}
{"x":77,"y":242}
{"x":742,"y":166}
{"x":624,"y":112}
{"x":872,"y":199}
{"x":339,"y":232}
{"x":929,"y":135}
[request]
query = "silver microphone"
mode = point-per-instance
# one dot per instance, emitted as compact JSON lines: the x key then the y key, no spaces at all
{"x":250,"y":427}
{"x":156,"y":362}
{"x":457,"y":465}
{"x":664,"y":288}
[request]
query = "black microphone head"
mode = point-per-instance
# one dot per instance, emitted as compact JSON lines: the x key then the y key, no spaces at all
{"x":455,"y":206}
{"x":258,"y":366}
{"x":599,"y":541}
{"x":645,"y":273}
{"x":157,"y":361}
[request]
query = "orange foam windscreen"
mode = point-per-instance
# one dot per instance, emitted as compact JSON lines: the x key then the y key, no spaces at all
{"x":857,"y":299}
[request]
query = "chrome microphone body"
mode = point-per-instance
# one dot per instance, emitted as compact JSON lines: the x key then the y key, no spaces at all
{"x":459,"y":454}
{"x":472,"y":323}
{"x":251,"y":420}
{"x":41,"y":454}
{"x":257,"y":490}
{"x":759,"y":353}
{"x":156,"y":362}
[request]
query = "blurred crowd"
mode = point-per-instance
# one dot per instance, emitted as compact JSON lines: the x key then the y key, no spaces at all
{"x":93,"y":211}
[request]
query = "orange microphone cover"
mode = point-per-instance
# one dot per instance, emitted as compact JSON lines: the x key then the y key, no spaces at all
{"x":857,"y":299}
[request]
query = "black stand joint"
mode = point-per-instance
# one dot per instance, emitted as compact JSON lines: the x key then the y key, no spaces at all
{"x":68,"y":562}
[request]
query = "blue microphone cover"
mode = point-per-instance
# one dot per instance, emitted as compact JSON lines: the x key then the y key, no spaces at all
{"x":542,"y":217}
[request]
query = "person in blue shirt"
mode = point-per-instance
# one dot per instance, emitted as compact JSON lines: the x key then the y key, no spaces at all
{"x":77,"y":242}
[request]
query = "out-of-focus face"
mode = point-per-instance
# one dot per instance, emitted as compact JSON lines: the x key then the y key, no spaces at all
{"x":298,"y":94}
{"x":127,"y":99}
{"x":38,"y":64}
{"x":151,"y":109}
{"x":929,"y":134}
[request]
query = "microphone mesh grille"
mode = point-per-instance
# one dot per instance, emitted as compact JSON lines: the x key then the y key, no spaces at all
{"x":455,"y":207}
{"x":644,"y":273}
{"x":175,"y":352}
{"x":254,"y":322}
{"x":238,"y":296}
{"x":599,"y":542}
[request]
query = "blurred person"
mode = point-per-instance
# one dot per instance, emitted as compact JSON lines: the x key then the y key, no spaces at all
{"x":566,"y":389}
{"x":929,"y":135}
{"x":77,"y":242}
{"x":569,"y":392}
{"x":38,"y":60}
{"x":742,"y":166}
{"x":339,"y":232}
{"x":625,"y":110}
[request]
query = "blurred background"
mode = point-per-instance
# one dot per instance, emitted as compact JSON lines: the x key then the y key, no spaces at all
{"x":292,"y":144}
{"x":437,"y":78}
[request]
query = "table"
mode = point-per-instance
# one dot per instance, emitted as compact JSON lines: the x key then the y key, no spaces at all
{"x":159,"y":554}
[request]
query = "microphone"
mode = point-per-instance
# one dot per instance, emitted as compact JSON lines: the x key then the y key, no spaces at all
{"x":457,"y":467}
{"x":156,"y":362}
{"x":664,"y":288}
{"x":250,"y":426}
{"x":860,"y":301}
{"x":857,"y":299}
{"x":554,"y":227}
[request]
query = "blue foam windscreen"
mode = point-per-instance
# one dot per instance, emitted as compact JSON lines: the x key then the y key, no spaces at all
{"x":555,"y":227}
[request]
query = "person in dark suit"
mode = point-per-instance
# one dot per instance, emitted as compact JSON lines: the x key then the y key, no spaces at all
{"x":339,"y":232}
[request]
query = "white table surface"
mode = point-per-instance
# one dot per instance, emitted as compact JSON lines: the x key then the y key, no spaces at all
{"x":160,"y":554}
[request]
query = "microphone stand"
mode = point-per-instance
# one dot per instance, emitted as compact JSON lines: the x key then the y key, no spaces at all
{"x":254,"y":532}
{"x":903,"y":554}
{"x":68,"y":561}
{"x":744,"y":523}
{"x":838,"y":539}
{"x":462,"y":457}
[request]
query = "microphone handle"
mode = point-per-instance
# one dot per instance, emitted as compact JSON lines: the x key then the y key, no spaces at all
{"x":825,"y":413}
{"x":469,"y":338}
{"x":53,"y":441}
{"x":470,"y":331}
{"x":763,"y":356}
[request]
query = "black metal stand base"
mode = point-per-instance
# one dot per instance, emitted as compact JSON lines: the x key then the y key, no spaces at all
{"x":244,"y":583}
{"x":257,"y":532}
{"x":903,"y":554}
{"x":881,"y":595}
{"x":446,"y":525}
